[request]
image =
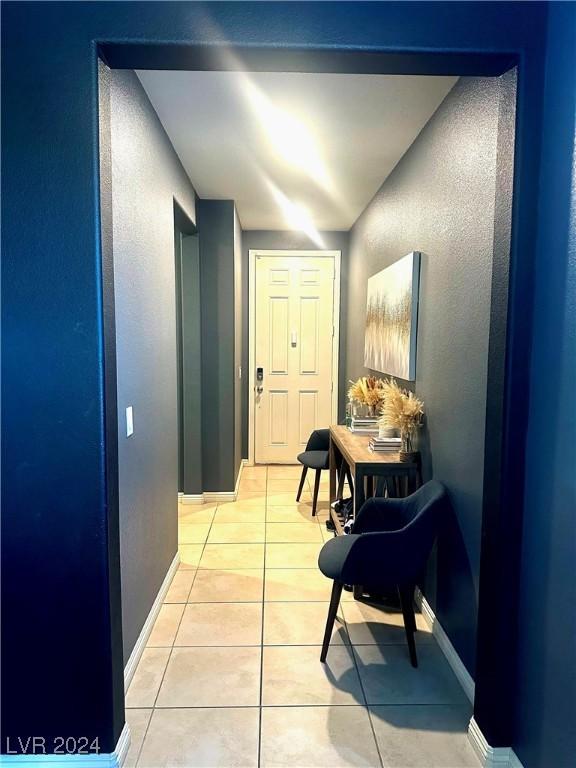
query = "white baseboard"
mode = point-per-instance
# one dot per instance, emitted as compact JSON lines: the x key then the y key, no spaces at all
{"x":103,"y":760}
{"x":243,"y":463}
{"x":515,"y":760}
{"x":210,"y":496}
{"x":138,"y":649}
{"x":491,"y":757}
{"x":214,"y":496}
{"x":207,"y":497}
{"x":191,"y":498}
{"x":464,"y":677}
{"x":121,"y":751}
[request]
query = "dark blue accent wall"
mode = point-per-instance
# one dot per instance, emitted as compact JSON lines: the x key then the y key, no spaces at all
{"x":546,"y":660}
{"x":60,"y":523}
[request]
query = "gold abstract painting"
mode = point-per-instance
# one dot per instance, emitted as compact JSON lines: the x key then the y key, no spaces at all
{"x":392,"y":317}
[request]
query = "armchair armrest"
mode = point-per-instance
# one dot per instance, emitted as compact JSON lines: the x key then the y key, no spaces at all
{"x":380,"y":559}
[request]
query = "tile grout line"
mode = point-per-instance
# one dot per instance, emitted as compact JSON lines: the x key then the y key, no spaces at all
{"x":143,"y":738}
{"x":355,"y":660}
{"x":420,"y":705}
{"x":187,"y":602}
{"x":175,"y":635}
{"x":277,"y":645}
{"x":259,"y":755}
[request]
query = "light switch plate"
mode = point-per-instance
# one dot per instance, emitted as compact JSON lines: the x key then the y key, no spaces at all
{"x":129,"y":421}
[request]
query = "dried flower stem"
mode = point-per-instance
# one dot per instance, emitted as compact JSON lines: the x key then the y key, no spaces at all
{"x":402,"y":410}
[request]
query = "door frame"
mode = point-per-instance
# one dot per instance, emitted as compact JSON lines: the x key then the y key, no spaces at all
{"x":287,"y":253}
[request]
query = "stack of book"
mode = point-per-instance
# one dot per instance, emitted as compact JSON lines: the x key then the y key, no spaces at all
{"x":385,"y":444}
{"x":366,"y":425}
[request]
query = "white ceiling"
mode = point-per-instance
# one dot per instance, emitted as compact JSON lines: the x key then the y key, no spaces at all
{"x":353,"y":130}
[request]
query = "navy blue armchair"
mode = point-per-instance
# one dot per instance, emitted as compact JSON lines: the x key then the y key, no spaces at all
{"x":389,"y":545}
{"x":314,"y":457}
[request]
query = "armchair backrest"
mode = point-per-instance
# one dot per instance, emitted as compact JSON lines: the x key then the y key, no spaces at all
{"x":398,"y":556}
{"x":319,"y":440}
{"x":429,"y":496}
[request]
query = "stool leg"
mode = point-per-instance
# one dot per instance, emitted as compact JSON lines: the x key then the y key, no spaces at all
{"x":332,"y":611}
{"x":304,"y":470}
{"x":316,"y":489}
{"x":406,"y":595}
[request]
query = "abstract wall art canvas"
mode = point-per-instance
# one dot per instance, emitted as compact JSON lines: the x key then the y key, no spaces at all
{"x":392,"y":318}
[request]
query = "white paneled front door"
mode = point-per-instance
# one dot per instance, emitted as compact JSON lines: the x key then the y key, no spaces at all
{"x":293,"y":323}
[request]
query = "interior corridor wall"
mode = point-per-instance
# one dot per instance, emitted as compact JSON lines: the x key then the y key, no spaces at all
{"x":218,"y":280}
{"x":440,"y":200}
{"x":239,"y":371}
{"x":146,"y":178}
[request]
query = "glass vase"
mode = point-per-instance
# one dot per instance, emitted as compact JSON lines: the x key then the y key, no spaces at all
{"x":407,"y":443}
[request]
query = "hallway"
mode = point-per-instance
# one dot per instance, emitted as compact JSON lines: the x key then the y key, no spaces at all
{"x":231,"y":674}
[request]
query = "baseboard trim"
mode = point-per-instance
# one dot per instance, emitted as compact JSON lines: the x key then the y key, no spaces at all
{"x":138,"y":649}
{"x":208,"y":497}
{"x":515,"y":760}
{"x":122,"y":747}
{"x":243,"y":463}
{"x":114,"y":759}
{"x":191,"y":498}
{"x":491,"y":757}
{"x":464,"y":677}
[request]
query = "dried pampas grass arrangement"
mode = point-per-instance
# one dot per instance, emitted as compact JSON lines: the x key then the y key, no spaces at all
{"x":369,"y":391}
{"x":402,"y":410}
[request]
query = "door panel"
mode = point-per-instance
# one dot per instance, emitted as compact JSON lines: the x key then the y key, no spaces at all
{"x":294,"y":302}
{"x":309,"y":363}
{"x":308,"y":418}
{"x":278,"y":427}
{"x":278,"y":316}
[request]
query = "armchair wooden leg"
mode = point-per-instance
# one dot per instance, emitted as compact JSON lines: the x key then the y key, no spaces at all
{"x":316,"y":489}
{"x":406,"y":595}
{"x":303,"y":477}
{"x":332,"y":611}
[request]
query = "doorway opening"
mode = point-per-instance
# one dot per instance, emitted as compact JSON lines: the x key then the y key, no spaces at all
{"x":496,"y":329}
{"x":188,"y":353}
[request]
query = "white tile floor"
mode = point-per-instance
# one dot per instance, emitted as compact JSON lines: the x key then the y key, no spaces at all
{"x":232,"y":677}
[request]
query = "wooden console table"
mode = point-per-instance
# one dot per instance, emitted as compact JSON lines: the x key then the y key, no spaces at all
{"x":350,"y":451}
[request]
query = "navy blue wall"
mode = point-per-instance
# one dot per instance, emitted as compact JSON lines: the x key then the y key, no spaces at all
{"x":546,"y":661}
{"x":60,"y":535}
